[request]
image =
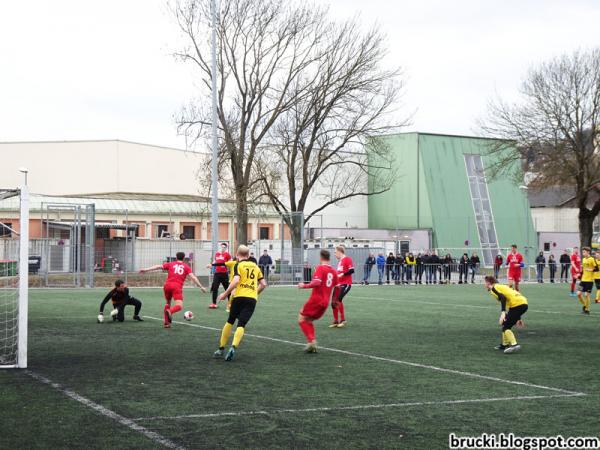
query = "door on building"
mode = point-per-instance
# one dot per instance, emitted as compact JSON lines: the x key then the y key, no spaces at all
{"x":404,"y":247}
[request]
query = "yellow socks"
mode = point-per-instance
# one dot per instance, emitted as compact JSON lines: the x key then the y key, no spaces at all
{"x":238,"y":335}
{"x":587,"y":303}
{"x":508,"y":338}
{"x":225,"y":334}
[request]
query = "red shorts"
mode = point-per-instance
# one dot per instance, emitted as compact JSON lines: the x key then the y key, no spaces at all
{"x":516,"y":277}
{"x":173,"y":291}
{"x":314,"y":309}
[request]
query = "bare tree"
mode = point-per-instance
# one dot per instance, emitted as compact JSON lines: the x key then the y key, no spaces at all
{"x":327,"y":145}
{"x":553,"y":128}
{"x":264,"y":48}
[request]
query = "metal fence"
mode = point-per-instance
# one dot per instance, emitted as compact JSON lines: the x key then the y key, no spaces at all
{"x":59,"y":262}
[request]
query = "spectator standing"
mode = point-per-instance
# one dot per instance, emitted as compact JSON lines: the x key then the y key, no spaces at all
{"x":252,"y":258}
{"x":380,"y":267}
{"x":463,"y":269}
{"x":265,"y":262}
{"x":419,"y":267}
{"x":498,"y":261}
{"x":448,"y":268}
{"x":389,"y":267}
{"x":399,"y":268}
{"x":409,"y":263}
{"x":369,"y":263}
{"x":540,"y":263}
{"x":434,"y":261}
{"x":475,"y":265}
{"x":427,"y":267}
{"x":552,"y":268}
{"x":565,"y":263}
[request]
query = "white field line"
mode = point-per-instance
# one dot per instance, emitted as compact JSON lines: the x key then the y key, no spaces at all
{"x":152,"y":435}
{"x":395,"y":361}
{"x":353,"y":408}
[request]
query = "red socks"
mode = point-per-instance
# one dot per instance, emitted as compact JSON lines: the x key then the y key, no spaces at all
{"x":336,"y":313}
{"x":175,"y":309}
{"x":572,"y":287}
{"x":308,"y":329}
{"x":341,"y":308}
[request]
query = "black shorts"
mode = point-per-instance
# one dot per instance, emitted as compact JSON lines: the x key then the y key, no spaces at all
{"x":341,"y":291}
{"x":513,"y":316}
{"x":241,"y":310}
{"x":586,"y":286}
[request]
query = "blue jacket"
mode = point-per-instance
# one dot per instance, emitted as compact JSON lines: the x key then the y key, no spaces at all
{"x":381,"y":261}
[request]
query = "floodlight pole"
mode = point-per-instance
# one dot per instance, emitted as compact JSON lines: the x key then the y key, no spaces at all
{"x":214,"y":167}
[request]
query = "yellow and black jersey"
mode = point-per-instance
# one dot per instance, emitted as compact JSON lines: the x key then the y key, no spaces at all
{"x":230,"y":265}
{"x":250,"y":275}
{"x":588,"y":265}
{"x":597,"y":273}
{"x":508,"y":297}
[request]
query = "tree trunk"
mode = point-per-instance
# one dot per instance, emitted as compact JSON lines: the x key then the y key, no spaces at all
{"x":586,"y":227}
{"x":297,"y":230}
{"x":241,"y":216}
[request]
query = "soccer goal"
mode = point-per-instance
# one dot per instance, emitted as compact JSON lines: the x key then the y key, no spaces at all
{"x":14,"y":282}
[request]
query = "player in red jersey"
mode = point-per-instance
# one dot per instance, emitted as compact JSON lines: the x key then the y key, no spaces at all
{"x":220,"y":276}
{"x":178,"y":271}
{"x":345,"y":269}
{"x":575,"y":270}
{"x":324,"y":281}
{"x":514,"y":261}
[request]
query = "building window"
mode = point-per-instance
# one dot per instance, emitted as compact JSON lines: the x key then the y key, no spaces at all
{"x":162,"y":231}
{"x":5,"y":228}
{"x":546,"y":246}
{"x":189,"y":232}
{"x":264,"y":233}
{"x":482,"y":207}
{"x":102,"y":233}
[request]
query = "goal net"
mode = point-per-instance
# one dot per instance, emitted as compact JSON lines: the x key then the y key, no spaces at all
{"x":14,"y":271}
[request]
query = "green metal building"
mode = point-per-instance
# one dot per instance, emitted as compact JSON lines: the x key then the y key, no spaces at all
{"x":442,"y":186}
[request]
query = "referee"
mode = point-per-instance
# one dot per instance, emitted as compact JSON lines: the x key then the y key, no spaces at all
{"x":120,"y":298}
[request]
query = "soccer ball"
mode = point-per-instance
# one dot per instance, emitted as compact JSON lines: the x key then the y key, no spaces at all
{"x":188,"y":315}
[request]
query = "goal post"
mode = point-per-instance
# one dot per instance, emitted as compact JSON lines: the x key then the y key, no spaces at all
{"x":14,"y":290}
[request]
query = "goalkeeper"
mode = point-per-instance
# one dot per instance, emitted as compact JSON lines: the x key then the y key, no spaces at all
{"x":120,"y":298}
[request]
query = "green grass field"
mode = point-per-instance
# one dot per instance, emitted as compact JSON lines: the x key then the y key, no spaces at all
{"x":413,"y":365}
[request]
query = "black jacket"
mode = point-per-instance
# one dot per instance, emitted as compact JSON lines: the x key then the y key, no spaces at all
{"x":370,"y":261}
{"x":474,"y":260}
{"x":540,"y":260}
{"x":390,"y":260}
{"x":565,"y":259}
{"x":265,"y":260}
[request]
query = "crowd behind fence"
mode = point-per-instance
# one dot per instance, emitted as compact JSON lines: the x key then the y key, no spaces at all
{"x":56,"y":262}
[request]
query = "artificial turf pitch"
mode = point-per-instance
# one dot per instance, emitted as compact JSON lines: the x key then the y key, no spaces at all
{"x":377,"y":384}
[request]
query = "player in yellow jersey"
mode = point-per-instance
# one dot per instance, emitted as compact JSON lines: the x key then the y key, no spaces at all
{"x":597,"y":276}
{"x":248,"y":283}
{"x":513,"y":306}
{"x":588,"y":270}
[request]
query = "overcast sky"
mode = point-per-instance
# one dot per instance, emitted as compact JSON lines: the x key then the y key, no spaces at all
{"x":102,"y":69}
